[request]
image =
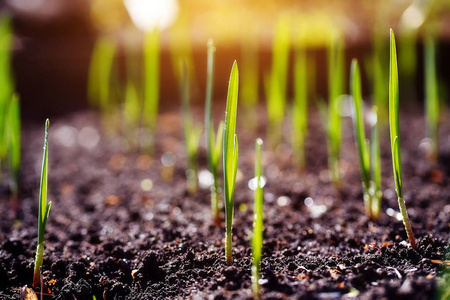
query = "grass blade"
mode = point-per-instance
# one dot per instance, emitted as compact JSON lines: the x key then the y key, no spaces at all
{"x":192,"y":133}
{"x":151,"y":79}
{"x":395,"y":133}
{"x":300,"y":109}
{"x":358,"y":123}
{"x":376,"y":168}
{"x":214,"y":145}
{"x":276,"y":82}
{"x":431,"y":96}
{"x":393,"y":116}
{"x":258,"y":221}
{"x":100,"y":73}
{"x":44,"y":210}
{"x":14,"y":147}
{"x":230,"y":157}
{"x":362,"y":144}
{"x":208,"y":99}
{"x":335,"y":88}
{"x":132,"y":111}
{"x":6,"y":83}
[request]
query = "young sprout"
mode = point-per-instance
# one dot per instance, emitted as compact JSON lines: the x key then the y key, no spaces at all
{"x":151,"y":86}
{"x":300,"y":110}
{"x":375,"y":161}
{"x":276,"y":82}
{"x":192,"y":134}
{"x":44,"y":210}
{"x":230,"y":157}
{"x":181,"y":49}
{"x":394,"y":129}
{"x":213,"y":144}
{"x":335,"y":90}
{"x":131,"y":109}
{"x":431,"y":97}
{"x":408,"y":52}
{"x":258,"y":222}
{"x":369,"y":160}
{"x":100,"y":73}
{"x":99,"y":82}
{"x":14,"y":148}
{"x":6,"y":83}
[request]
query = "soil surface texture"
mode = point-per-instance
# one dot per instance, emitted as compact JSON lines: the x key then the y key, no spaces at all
{"x":123,"y":226}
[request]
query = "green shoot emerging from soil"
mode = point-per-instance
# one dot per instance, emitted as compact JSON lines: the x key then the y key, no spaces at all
{"x":213,"y":144}
{"x":370,"y":167}
{"x":151,"y":86}
{"x":44,"y":209}
{"x":335,"y":90}
{"x":258,"y":222}
{"x":395,"y":136}
{"x":192,"y":134}
{"x":275,"y":83}
{"x":431,"y":97}
{"x":230,"y":157}
{"x":300,"y":110}
{"x":14,"y":148}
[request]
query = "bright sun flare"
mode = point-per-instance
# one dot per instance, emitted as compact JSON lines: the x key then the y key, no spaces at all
{"x":150,"y":14}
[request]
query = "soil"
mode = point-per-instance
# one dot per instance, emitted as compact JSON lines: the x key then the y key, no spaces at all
{"x":110,"y":237}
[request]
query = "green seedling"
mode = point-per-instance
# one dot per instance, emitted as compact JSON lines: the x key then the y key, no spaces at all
{"x":431,"y":97}
{"x":394,"y":129}
{"x":99,"y":83}
{"x":276,"y":83}
{"x":131,"y":115}
{"x":230,"y":158}
{"x":369,"y":160}
{"x":311,"y":78}
{"x":44,"y":210}
{"x":181,"y":49}
{"x":192,"y":134}
{"x":408,"y":55}
{"x":300,"y":110}
{"x":335,"y":90}
{"x":151,"y":86}
{"x":249,"y":91}
{"x":131,"y":106}
{"x":375,"y":161}
{"x":100,"y":73}
{"x":14,"y":148}
{"x":258,"y":222}
{"x":6,"y":84}
{"x":213,"y":144}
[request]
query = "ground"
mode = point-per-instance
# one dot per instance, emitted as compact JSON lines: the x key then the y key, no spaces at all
{"x":113,"y":235}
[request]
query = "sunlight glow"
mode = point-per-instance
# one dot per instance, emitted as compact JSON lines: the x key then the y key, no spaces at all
{"x":150,"y":14}
{"x":412,"y":18}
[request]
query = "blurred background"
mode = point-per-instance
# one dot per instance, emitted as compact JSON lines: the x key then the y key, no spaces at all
{"x":53,"y":42}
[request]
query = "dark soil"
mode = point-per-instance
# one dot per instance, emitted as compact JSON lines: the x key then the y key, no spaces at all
{"x":108,"y":237}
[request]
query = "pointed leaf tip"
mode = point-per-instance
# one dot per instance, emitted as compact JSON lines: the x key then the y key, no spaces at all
{"x":391,"y":31}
